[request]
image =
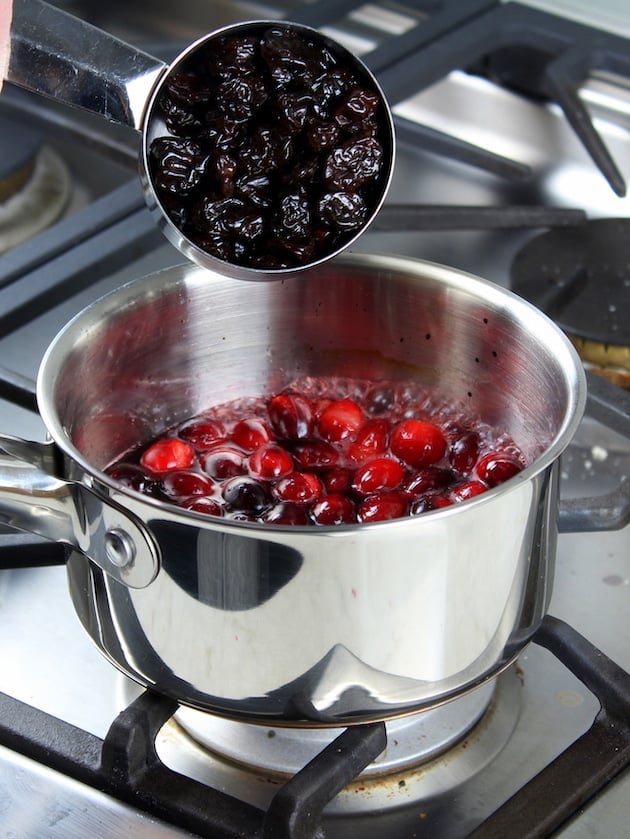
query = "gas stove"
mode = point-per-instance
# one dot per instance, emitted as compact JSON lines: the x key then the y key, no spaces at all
{"x":513,"y":125}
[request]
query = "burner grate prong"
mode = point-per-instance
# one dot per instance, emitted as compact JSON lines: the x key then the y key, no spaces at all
{"x":574,"y":778}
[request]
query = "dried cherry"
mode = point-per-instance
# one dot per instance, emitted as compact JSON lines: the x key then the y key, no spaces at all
{"x":292,"y":130}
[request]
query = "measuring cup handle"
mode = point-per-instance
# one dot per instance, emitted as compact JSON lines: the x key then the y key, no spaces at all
{"x":61,"y":56}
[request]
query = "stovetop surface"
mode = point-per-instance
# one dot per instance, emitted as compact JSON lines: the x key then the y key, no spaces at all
{"x":47,"y":661}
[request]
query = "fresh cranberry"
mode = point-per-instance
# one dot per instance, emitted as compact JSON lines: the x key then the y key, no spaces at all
{"x":430,"y":501}
{"x":425,"y":480}
{"x":463,"y":452}
{"x":386,"y":505}
{"x":497,"y":467}
{"x":224,"y":462}
{"x":417,"y":443}
{"x":315,"y":454}
{"x":300,"y":457}
{"x":270,"y":462}
{"x":380,"y":399}
{"x":319,"y":406}
{"x":371,"y":440}
{"x":467,"y":489}
{"x":250,"y":434}
{"x":376,"y":475}
{"x":341,"y":420}
{"x":202,"y":433}
{"x":182,"y":484}
{"x":246,"y":495}
{"x":337,"y":481}
{"x":299,"y":487}
{"x":334,"y":509}
{"x":168,"y":454}
{"x":203,"y":504}
{"x":286,"y":513}
{"x":132,"y":476}
{"x":291,"y":416}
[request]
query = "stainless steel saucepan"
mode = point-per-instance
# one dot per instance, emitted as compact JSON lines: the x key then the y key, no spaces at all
{"x":330,"y":625}
{"x":62,"y":57}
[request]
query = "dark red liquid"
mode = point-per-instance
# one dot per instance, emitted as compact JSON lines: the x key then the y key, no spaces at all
{"x":325,"y":451}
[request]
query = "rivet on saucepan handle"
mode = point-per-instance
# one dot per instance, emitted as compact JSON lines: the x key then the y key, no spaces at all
{"x":34,"y":499}
{"x":114,"y":540}
{"x":119,"y":548}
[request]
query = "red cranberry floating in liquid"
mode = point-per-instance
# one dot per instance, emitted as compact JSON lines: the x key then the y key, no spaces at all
{"x":417,"y":443}
{"x":203,"y":504}
{"x":463,"y":452}
{"x":380,"y":399}
{"x":334,"y":452}
{"x":467,"y":489}
{"x":334,"y":509}
{"x":428,"y":502}
{"x":270,"y":462}
{"x":223,"y":462}
{"x":286,"y":513}
{"x":167,"y":455}
{"x":426,"y":479}
{"x":291,"y":416}
{"x":202,"y":433}
{"x":341,"y":419}
{"x":315,"y":454}
{"x":246,"y":495}
{"x":382,"y":507}
{"x":132,"y":476}
{"x":250,"y":434}
{"x":371,"y":440}
{"x":183,"y":484}
{"x":299,"y":487}
{"x":337,"y":481}
{"x":376,"y":475}
{"x":496,"y":468}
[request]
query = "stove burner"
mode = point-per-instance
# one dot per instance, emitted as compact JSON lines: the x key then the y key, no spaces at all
{"x":427,"y":754}
{"x":34,"y":184}
{"x":580,"y":276}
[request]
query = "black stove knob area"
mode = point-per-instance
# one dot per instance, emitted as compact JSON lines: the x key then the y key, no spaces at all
{"x":580,"y":277}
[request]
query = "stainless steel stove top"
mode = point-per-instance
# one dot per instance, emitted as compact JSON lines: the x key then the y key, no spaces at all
{"x":47,"y":661}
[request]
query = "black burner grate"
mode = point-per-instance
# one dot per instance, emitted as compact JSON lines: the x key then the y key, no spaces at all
{"x":125,"y":764}
{"x":537,"y":53}
{"x":580,"y":276}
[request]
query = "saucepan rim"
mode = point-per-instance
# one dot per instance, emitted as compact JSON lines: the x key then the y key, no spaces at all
{"x":187,"y":274}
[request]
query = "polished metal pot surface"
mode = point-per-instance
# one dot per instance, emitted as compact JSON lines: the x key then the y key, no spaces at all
{"x":316,"y":625}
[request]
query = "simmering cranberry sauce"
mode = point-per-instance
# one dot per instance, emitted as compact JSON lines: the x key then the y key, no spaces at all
{"x":325,"y":451}
{"x":274,"y":155}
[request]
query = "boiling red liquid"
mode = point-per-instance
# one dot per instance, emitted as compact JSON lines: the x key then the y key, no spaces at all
{"x":324,"y":452}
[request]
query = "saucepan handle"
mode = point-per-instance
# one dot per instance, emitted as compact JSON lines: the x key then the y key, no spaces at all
{"x":610,"y":405}
{"x":34,"y":500}
{"x":65,"y":58}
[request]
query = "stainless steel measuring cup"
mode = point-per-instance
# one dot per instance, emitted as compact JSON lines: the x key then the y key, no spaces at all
{"x":62,"y":57}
